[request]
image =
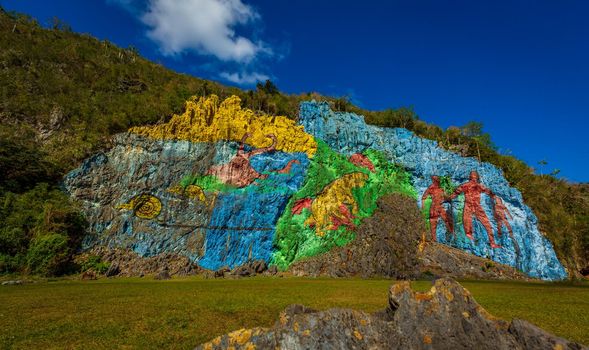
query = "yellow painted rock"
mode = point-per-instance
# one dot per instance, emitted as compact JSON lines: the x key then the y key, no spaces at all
{"x":144,"y":206}
{"x":191,"y":191}
{"x":326,"y":205}
{"x":204,"y":120}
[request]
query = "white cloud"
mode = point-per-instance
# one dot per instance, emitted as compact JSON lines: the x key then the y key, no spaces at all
{"x":203,"y":26}
{"x":244,"y":78}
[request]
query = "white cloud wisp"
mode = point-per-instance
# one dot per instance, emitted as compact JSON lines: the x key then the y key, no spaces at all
{"x":244,"y":78}
{"x":203,"y":26}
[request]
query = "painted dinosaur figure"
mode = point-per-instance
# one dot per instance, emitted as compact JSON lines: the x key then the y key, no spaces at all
{"x":331,"y":208}
{"x":361,"y":160}
{"x":239,"y":172}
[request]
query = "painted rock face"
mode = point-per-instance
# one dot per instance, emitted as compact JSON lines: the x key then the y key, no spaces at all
{"x":335,"y":206}
{"x":224,"y":186}
{"x":475,"y":218}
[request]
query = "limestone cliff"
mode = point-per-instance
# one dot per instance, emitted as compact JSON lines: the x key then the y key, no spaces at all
{"x":224,"y":187}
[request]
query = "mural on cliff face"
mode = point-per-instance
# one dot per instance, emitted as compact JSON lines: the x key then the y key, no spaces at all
{"x":458,"y":203}
{"x":144,"y":206}
{"x":330,"y":209}
{"x":436,"y":211}
{"x":224,"y":187}
{"x":239,"y":171}
{"x":337,"y":194}
{"x":187,"y":186}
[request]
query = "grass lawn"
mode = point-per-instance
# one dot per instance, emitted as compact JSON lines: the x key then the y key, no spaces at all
{"x":182,"y":313}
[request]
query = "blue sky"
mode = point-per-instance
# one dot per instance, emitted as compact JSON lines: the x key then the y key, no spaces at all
{"x":519,"y":67}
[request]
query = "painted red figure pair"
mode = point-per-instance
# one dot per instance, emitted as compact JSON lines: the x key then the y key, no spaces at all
{"x":472,"y":191}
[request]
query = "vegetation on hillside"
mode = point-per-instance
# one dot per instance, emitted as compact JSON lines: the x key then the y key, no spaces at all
{"x":63,"y":94}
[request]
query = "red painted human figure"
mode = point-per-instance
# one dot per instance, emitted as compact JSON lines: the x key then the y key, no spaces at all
{"x":472,"y":191}
{"x":501,"y":213}
{"x":436,"y":209}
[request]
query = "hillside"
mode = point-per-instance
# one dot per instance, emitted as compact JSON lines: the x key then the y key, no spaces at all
{"x":64,"y":94}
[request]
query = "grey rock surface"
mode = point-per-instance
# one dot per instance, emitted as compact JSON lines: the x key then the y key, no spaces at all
{"x":163,"y":275}
{"x":127,"y":263}
{"x":440,"y":260}
{"x":445,"y":317}
{"x":386,"y":245}
{"x":12,"y":283}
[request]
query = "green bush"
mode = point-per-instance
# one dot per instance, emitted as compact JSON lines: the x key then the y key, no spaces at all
{"x":41,"y":221}
{"x":48,"y":254}
{"x":11,"y":263}
{"x":95,"y":263}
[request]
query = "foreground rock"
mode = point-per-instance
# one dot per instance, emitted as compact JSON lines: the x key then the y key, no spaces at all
{"x":12,"y":283}
{"x":445,"y":317}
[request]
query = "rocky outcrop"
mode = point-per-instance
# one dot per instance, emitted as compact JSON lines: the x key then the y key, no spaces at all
{"x":127,"y":263}
{"x":445,"y":317}
{"x":250,"y":269}
{"x":386,"y":245}
{"x":440,"y":260}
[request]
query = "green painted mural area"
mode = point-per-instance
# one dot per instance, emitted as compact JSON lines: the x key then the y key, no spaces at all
{"x":337,"y":194}
{"x":207,"y":183}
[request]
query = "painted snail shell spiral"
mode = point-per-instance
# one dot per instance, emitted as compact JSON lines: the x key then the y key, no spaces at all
{"x":146,"y":206}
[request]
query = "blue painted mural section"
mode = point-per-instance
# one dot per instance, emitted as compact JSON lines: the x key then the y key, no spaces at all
{"x":228,"y":229}
{"x":243,"y":221}
{"x":348,"y":133}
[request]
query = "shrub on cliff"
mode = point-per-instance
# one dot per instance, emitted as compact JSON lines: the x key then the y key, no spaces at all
{"x":94,"y":263}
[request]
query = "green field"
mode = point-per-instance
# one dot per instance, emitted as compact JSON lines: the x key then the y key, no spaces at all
{"x":182,"y":313}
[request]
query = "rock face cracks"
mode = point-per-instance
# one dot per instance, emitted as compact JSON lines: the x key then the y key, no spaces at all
{"x":445,"y":317}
